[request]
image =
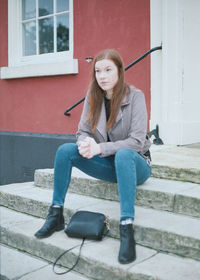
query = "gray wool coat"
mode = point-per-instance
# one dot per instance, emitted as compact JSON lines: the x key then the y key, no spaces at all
{"x":129,"y":130}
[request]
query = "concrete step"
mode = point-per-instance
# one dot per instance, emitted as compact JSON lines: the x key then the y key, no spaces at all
{"x":157,"y":229}
{"x":98,"y":258}
{"x":176,"y":162}
{"x":168,"y":195}
{"x":17,"y":265}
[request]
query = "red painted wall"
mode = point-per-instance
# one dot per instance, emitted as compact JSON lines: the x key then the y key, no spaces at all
{"x":38,"y":104}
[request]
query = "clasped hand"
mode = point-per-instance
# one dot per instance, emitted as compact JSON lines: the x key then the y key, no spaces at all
{"x":89,"y":148}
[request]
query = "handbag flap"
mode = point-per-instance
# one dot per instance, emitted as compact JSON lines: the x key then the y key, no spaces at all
{"x":86,"y":224}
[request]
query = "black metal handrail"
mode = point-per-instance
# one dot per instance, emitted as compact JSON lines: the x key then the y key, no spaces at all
{"x":126,"y":68}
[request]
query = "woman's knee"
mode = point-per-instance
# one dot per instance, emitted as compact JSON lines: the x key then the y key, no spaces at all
{"x":67,"y":149}
{"x":125,"y":154}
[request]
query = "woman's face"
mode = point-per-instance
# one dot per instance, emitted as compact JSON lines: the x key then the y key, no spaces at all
{"x":106,"y":73}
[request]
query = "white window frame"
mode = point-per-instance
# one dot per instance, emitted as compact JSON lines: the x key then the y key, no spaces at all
{"x":20,"y":66}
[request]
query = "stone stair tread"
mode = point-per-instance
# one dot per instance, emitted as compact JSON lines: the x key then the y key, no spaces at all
{"x":172,"y":187}
{"x":163,"y":194}
{"x":144,"y":217}
{"x":176,"y":162}
{"x":98,"y":259}
{"x":176,"y":156}
{"x":17,"y":265}
{"x":153,"y":184}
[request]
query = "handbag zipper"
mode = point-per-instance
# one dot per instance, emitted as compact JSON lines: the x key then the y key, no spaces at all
{"x":107,"y":223}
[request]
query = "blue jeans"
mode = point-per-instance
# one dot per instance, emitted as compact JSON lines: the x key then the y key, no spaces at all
{"x":126,"y":168}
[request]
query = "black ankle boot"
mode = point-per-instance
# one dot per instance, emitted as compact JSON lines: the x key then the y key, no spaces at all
{"x":54,"y":222}
{"x":127,"y":252}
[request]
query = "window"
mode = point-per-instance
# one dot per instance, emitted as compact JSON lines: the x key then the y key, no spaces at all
{"x":40,"y":38}
{"x":45,"y":26}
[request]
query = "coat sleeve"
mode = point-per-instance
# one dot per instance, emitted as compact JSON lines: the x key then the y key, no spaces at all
{"x":84,"y":129}
{"x":137,"y":132}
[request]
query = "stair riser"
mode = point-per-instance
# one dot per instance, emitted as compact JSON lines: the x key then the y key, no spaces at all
{"x":180,"y":174}
{"x":179,"y":204}
{"x":187,"y":206}
{"x":86,"y":266}
{"x":163,"y":172}
{"x":150,"y":237}
{"x":168,"y":242}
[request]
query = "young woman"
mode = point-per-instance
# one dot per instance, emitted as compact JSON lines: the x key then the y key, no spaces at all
{"x":112,"y":145}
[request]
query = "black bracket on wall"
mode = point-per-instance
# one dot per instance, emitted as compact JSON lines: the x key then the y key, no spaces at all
{"x":155,"y":133}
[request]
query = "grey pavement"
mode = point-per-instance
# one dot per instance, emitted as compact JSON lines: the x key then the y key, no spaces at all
{"x":19,"y":265}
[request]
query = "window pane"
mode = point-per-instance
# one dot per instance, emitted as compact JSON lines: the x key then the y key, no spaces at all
{"x":62,"y":32}
{"x":46,"y":35}
{"x":45,"y":7}
{"x":29,"y":38}
{"x":28,"y":9}
{"x":62,"y":5}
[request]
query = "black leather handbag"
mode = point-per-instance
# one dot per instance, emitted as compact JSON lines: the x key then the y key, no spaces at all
{"x":85,"y":225}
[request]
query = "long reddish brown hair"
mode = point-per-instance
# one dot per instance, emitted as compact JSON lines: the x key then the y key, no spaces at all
{"x":96,"y":94}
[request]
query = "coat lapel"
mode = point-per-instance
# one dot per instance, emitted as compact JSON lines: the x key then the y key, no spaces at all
{"x":125,"y":102}
{"x":101,"y":126}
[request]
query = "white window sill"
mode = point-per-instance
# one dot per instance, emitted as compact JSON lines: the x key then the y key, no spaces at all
{"x":38,"y":70}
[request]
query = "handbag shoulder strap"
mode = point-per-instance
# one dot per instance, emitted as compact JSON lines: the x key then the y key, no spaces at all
{"x":77,"y":260}
{"x":65,"y":252}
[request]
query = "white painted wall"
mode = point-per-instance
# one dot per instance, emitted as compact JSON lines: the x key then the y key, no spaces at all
{"x":175,"y":77}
